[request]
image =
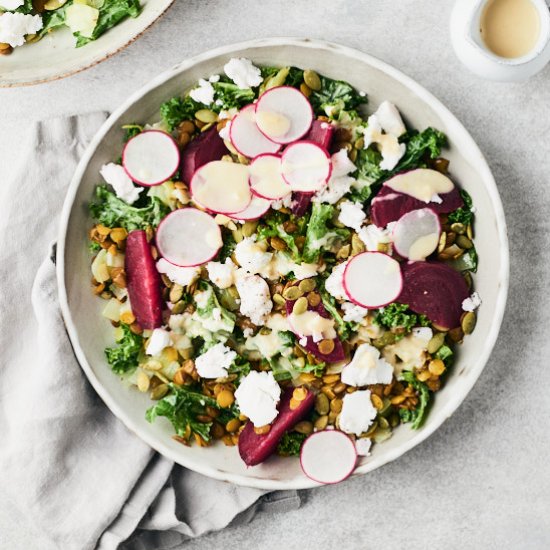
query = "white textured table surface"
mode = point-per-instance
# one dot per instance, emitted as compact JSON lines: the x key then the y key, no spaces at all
{"x":483,"y":480}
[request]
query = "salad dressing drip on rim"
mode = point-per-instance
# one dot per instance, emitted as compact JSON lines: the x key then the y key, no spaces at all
{"x":510,"y":28}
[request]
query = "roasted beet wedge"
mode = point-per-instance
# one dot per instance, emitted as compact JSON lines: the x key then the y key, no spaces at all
{"x":321,"y":133}
{"x":389,"y":205}
{"x":300,"y":202}
{"x":337,"y":354}
{"x":204,"y":148}
{"x":143,"y":281}
{"x":255,"y":448}
{"x":435,"y":290}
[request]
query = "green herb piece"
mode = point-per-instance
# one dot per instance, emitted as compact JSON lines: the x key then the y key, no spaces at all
{"x":124,"y":358}
{"x":177,"y":109}
{"x":228,"y":246}
{"x":417,"y":415}
{"x":131,"y":130}
{"x":52,"y":19}
{"x":228,"y":95}
{"x":368,"y":165}
{"x":344,"y":328}
{"x":446,"y":354}
{"x":467,"y":262}
{"x":420,"y":145}
{"x":94,"y":247}
{"x":335,"y":96}
{"x":181,"y":407}
{"x":290,"y":444}
{"x":399,"y":316}
{"x":463,"y":214}
{"x":111,"y":13}
{"x":114,"y":212}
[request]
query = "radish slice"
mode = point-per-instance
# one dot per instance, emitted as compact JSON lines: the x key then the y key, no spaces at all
{"x":416,"y":234}
{"x":266,"y":179}
{"x":306,"y":166}
{"x":255,"y":210}
{"x":188,"y":237}
{"x":283,"y":114}
{"x":328,"y":456}
{"x":372,"y":279}
{"x":221,"y":187}
{"x":247,"y":138}
{"x":151,"y":158}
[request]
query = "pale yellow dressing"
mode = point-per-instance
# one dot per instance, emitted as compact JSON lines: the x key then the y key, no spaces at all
{"x":422,"y":184}
{"x":510,"y":28}
{"x":423,"y":247}
{"x":272,"y":124}
{"x":311,"y":323}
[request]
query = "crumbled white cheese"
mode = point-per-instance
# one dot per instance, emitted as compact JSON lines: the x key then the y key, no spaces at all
{"x":252,"y":256}
{"x":256,"y":301}
{"x":160,"y":339}
{"x":11,"y":5}
{"x":340,"y":182}
{"x":247,"y":332}
{"x":310,"y":323}
{"x":362,"y":446}
{"x":257,"y":397}
{"x":222,"y":274}
{"x":183,"y":276}
{"x":243,"y":73}
{"x":351,"y":214}
{"x":437,"y":199}
{"x":215,"y":362}
{"x":471,"y":303}
{"x":367,"y":367}
{"x":204,"y":93}
{"x":358,"y":412}
{"x":354,"y":313}
{"x":373,"y":236}
{"x":303,"y":341}
{"x":124,"y":187}
{"x":390,"y":119}
{"x":388,"y":144}
{"x":14,"y":27}
{"x":286,"y":201}
{"x":224,"y":132}
{"x":334,"y":284}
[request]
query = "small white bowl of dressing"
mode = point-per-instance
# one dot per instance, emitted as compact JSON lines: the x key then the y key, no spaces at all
{"x":503,"y":40}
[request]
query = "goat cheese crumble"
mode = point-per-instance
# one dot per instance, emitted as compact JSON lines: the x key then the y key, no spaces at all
{"x":354,"y":313}
{"x":160,"y":339}
{"x":119,"y":180}
{"x":243,"y":73}
{"x":256,"y":301}
{"x":205,"y":92}
{"x":222,"y":274}
{"x":15,"y":26}
{"x":183,"y":276}
{"x":257,"y":397}
{"x":334,"y":284}
{"x":358,"y":412}
{"x":351,"y":214}
{"x":471,"y":303}
{"x":367,"y":367}
{"x":340,"y":182}
{"x":252,"y":256}
{"x":215,"y":362}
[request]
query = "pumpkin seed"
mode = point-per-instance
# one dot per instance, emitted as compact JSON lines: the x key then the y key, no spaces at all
{"x":458,"y":228}
{"x":436,"y":342}
{"x":228,"y":300}
{"x":377,"y":401}
{"x":278,"y":299}
{"x":468,"y":322}
{"x":353,"y":155}
{"x":322,"y":405}
{"x":464,"y":242}
{"x":249,"y":228}
{"x":314,"y":299}
{"x":305,"y":89}
{"x":311,"y":78}
{"x":321,"y":423}
{"x":179,"y":307}
{"x":300,"y":306}
{"x":382,"y":434}
{"x":54,"y":4}
{"x":386,"y":407}
{"x":468,"y":278}
{"x":436,"y":367}
{"x":143,"y":381}
{"x":206,"y":115}
{"x":371,"y":430}
{"x":456,"y":334}
{"x":394,"y":420}
{"x":307,"y":285}
{"x":277,"y":243}
{"x":237,"y":235}
{"x":336,"y":405}
{"x":176,"y":292}
{"x":292,"y":293}
{"x":304,"y":427}
{"x":357,"y":245}
{"x":153,"y":365}
{"x":383,"y":423}
{"x":159,"y":392}
{"x":386,"y":339}
{"x":186,"y":126}
{"x":359,"y":143}
{"x":343,"y":252}
{"x":469,"y":232}
{"x":442,"y":242}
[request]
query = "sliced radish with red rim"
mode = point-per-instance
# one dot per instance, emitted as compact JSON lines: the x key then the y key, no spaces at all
{"x":221,"y":187}
{"x":188,"y":237}
{"x":256,"y":209}
{"x":266,"y":178}
{"x":416,"y":234}
{"x":306,"y":166}
{"x":151,"y":158}
{"x":283,"y":114}
{"x":246,"y":136}
{"x":373,"y":279}
{"x":328,"y":456}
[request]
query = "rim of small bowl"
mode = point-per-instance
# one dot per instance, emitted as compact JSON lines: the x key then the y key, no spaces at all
{"x":454,"y":400}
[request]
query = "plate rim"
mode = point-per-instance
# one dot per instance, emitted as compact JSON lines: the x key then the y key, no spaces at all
{"x":489,"y":182}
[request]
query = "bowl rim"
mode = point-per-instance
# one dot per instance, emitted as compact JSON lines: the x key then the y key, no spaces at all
{"x":451,"y":404}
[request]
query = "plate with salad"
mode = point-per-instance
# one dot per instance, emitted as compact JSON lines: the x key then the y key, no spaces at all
{"x":295,"y":277}
{"x":43,"y":40}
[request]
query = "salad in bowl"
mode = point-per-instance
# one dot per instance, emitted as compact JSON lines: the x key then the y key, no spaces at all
{"x":285,"y":272}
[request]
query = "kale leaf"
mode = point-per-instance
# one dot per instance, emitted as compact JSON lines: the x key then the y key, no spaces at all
{"x":290,"y":444}
{"x":344,"y":328}
{"x":335,"y":96}
{"x":446,"y":354}
{"x":114,"y":212}
{"x":418,"y":414}
{"x":111,"y":13}
{"x":228,"y":95}
{"x":228,"y":246}
{"x":181,"y":407}
{"x":124,"y":357}
{"x":177,"y":109}
{"x":427,"y":143}
{"x":464,"y":214}
{"x":399,"y":316}
{"x":51,"y":19}
{"x":131,"y":130}
{"x":275,"y":76}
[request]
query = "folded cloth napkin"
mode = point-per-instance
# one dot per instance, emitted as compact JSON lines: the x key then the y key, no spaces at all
{"x":73,"y":477}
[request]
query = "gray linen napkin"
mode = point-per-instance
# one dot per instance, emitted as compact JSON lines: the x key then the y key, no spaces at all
{"x":72,"y":476}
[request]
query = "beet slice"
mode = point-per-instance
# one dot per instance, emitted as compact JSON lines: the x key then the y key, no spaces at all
{"x":300,"y":203}
{"x":435,"y":290}
{"x":321,"y":133}
{"x":389,"y":205}
{"x":204,"y":148}
{"x":255,"y":448}
{"x":337,"y":354}
{"x":143,"y":281}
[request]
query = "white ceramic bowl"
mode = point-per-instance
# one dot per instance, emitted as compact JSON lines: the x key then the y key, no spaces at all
{"x":90,"y":333}
{"x":55,"y":56}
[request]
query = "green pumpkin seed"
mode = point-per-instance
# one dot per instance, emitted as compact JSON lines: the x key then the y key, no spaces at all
{"x":206,"y":115}
{"x":54,"y":4}
{"x":159,"y":392}
{"x":394,"y":420}
{"x":371,"y":430}
{"x":382,"y":434}
{"x":292,"y":293}
{"x":464,"y":242}
{"x":304,"y":427}
{"x":307,"y":285}
{"x":468,"y":322}
{"x":359,"y":143}
{"x":311,"y":78}
{"x":458,"y":228}
{"x":176,"y":292}
{"x":470,"y":232}
{"x":228,"y":301}
{"x":442,"y":242}
{"x":179,"y":307}
{"x":353,"y":155}
{"x":383,"y":423}
{"x":357,"y":245}
{"x":322,"y":405}
{"x":300,"y":306}
{"x":249,"y":228}
{"x":343,"y":253}
{"x":167,"y":282}
{"x":387,"y":339}
{"x":387,"y":407}
{"x":237,"y":235}
{"x":436,"y":342}
{"x":278,"y":299}
{"x":321,"y":423}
